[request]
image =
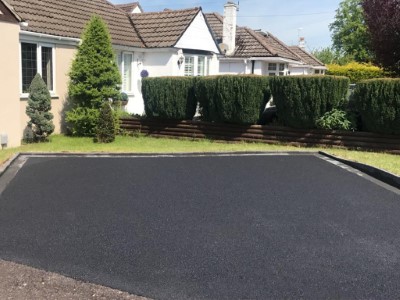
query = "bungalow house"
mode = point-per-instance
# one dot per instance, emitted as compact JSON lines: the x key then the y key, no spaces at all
{"x":41,"y":36}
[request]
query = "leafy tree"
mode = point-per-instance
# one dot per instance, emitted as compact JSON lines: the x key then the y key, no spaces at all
{"x":106,"y":127}
{"x":38,"y":110}
{"x":383,"y":21}
{"x":349,"y":32}
{"x":330,"y":56}
{"x":94,"y":75}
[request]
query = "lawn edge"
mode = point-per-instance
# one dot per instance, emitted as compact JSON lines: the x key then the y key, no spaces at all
{"x":382,"y":175}
{"x":4,"y":166}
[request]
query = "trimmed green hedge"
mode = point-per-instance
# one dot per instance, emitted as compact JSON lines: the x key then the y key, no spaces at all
{"x":356,"y":71}
{"x":169,"y":97}
{"x":239,"y":99}
{"x":378,"y":102}
{"x":301,"y":100}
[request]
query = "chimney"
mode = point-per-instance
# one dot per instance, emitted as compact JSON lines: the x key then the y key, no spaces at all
{"x":229,"y":29}
{"x":302,"y":43}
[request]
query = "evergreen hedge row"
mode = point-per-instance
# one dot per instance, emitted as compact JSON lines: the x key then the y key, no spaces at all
{"x":378,"y":102}
{"x":301,"y":100}
{"x":169,"y":97}
{"x":232,"y":99}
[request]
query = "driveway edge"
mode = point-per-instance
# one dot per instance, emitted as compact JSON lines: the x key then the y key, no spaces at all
{"x":376,"y":173}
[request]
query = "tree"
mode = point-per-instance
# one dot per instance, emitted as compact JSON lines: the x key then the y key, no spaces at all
{"x":106,"y":127}
{"x":383,"y":21}
{"x":38,"y":110}
{"x":349,"y":32}
{"x":330,"y":56}
{"x":94,"y":75}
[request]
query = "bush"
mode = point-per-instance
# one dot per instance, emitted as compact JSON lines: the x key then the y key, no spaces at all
{"x":356,"y":71}
{"x":106,"y":127}
{"x":337,"y":120}
{"x":169,"y":97}
{"x":239,"y":99}
{"x":82,"y":121}
{"x":38,"y":110}
{"x":378,"y":102}
{"x":301,"y":100}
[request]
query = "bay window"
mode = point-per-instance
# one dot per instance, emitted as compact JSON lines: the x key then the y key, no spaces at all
{"x":37,"y":58}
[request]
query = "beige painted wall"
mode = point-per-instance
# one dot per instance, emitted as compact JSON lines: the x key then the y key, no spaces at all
{"x":63,"y":59}
{"x":9,"y":83}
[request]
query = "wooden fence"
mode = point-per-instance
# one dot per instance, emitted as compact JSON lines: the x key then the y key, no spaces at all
{"x":265,"y":134}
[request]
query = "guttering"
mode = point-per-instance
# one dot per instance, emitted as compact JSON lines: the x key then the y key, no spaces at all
{"x":54,"y":38}
{"x":275,"y":59}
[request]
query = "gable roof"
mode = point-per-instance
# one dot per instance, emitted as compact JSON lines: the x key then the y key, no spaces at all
{"x":163,"y":29}
{"x":129,"y":7}
{"x":68,"y":18}
{"x":250,"y":43}
{"x":306,"y":57}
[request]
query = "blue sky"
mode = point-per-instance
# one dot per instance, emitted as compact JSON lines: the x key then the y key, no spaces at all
{"x":283,"y":18}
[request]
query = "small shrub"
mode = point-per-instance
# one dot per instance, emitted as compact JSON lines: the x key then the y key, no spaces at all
{"x":356,"y":71}
{"x":378,"y":102}
{"x":106,"y":127}
{"x":38,"y":110}
{"x":337,"y":120}
{"x":169,"y":97}
{"x":239,"y":99}
{"x":301,"y":100}
{"x":82,"y":121}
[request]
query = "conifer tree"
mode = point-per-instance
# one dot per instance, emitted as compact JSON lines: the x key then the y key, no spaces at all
{"x":94,"y":76}
{"x":38,"y":110}
{"x":106,"y":127}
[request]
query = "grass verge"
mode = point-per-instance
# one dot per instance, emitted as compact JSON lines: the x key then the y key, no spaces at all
{"x":142,"y":144}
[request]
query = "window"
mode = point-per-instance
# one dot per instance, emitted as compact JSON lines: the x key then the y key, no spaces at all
{"x":272,"y":67}
{"x":316,"y":71}
{"x":36,"y":58}
{"x":281,"y":67}
{"x":271,"y":74}
{"x":124,"y":62}
{"x":197,"y":65}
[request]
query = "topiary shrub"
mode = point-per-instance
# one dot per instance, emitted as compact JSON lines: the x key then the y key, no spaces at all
{"x":356,"y":71}
{"x":94,"y":76}
{"x":38,"y":110}
{"x":239,"y":99}
{"x":169,"y":97}
{"x":337,"y":120}
{"x":301,"y":100}
{"x":106,"y":127}
{"x":378,"y":102}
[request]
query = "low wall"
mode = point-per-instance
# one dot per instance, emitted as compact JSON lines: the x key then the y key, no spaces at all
{"x":265,"y":134}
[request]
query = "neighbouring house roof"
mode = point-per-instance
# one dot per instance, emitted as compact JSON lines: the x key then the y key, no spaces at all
{"x":250,"y":43}
{"x":163,"y":29}
{"x":7,"y":13}
{"x":68,"y":18}
{"x":306,"y":57}
{"x":129,"y":7}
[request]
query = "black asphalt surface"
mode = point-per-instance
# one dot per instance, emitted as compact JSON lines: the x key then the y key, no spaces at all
{"x":245,"y":227}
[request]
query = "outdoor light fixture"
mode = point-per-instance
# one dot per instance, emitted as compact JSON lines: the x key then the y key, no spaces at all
{"x":181,"y":60}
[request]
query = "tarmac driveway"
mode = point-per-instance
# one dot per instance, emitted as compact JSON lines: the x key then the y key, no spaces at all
{"x":205,"y":227}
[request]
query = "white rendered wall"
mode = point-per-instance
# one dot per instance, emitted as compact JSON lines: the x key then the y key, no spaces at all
{"x":198,"y":36}
{"x":232,"y":68}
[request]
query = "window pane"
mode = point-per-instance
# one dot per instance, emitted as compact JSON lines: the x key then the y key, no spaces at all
{"x":272,"y":67}
{"x":281,"y":73}
{"x":271,"y":74}
{"x":127,"y":76}
{"x":29,"y":64}
{"x":201,"y":64}
{"x":281,"y":67}
{"x":189,"y":66}
{"x":47,"y":67}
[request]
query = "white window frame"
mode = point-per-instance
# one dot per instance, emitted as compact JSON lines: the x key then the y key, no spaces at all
{"x":277,"y":70}
{"x":207,"y":64}
{"x":39,"y":46}
{"x":122,"y":70}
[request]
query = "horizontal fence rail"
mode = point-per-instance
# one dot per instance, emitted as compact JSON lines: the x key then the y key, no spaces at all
{"x":265,"y":134}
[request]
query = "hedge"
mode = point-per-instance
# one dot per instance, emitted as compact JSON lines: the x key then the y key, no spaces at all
{"x":169,"y":97}
{"x":356,"y":71}
{"x":378,"y":102}
{"x":239,"y":99}
{"x":301,"y":100}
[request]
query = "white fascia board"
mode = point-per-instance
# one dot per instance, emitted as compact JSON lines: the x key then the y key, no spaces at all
{"x":275,"y":59}
{"x":48,"y":38}
{"x":234,"y":59}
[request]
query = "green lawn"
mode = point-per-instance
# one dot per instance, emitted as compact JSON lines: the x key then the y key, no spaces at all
{"x":141,"y":144}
